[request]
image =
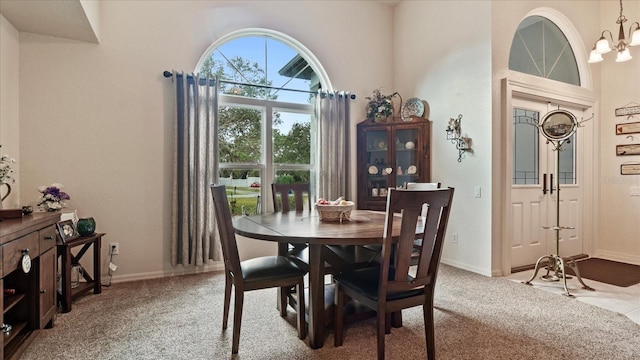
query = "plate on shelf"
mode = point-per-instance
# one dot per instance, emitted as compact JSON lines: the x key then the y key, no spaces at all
{"x":412,"y":107}
{"x":379,"y":144}
{"x":412,"y":170}
{"x":373,"y":169}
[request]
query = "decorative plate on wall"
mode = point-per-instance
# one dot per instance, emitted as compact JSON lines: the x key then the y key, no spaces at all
{"x":412,"y":107}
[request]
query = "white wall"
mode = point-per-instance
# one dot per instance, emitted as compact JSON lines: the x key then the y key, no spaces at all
{"x":619,"y":235}
{"x":98,"y":117}
{"x":9,"y":87}
{"x":451,"y":70}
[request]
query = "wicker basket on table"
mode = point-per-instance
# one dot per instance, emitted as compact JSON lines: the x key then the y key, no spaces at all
{"x":332,"y":213}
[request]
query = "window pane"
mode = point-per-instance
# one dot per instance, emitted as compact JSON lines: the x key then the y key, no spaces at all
{"x":243,"y":190}
{"x":240,"y":135}
{"x":291,"y":138}
{"x":525,"y":147}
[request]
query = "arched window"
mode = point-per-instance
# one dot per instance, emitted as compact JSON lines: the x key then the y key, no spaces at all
{"x":267,"y":82}
{"x":541,"y":49}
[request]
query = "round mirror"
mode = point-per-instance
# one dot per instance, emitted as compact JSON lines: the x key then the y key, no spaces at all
{"x":558,"y":125}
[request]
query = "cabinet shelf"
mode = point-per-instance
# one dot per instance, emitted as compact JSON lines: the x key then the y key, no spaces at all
{"x":11,"y":335}
{"x":10,"y":301}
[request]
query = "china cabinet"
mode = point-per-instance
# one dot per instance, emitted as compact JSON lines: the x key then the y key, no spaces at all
{"x":391,"y":154}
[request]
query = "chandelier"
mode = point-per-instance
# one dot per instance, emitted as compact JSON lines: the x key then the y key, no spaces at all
{"x":602,"y":46}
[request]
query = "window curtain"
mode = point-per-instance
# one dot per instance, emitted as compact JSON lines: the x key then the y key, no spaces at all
{"x":332,"y":115}
{"x":193,"y":239}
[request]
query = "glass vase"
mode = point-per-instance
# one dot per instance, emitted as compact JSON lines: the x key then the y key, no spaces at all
{"x":86,"y":226}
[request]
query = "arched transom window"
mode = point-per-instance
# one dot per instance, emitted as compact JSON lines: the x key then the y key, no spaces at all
{"x":541,"y":49}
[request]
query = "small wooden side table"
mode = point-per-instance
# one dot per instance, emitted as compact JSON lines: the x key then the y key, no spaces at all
{"x":69,"y":260}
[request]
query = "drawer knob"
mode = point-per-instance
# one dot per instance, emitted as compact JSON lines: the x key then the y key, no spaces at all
{"x":48,"y":237}
{"x":44,"y":291}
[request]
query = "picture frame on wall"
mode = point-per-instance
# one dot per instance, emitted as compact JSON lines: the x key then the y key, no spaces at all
{"x":66,"y":230}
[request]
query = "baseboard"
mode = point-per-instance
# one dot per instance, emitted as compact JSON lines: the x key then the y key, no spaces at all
{"x":465,"y":266}
{"x":175,"y":271}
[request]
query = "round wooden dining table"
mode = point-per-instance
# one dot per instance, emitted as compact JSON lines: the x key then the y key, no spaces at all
{"x":365,"y":227}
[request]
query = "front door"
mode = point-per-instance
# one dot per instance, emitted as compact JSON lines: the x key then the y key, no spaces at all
{"x":539,"y":167}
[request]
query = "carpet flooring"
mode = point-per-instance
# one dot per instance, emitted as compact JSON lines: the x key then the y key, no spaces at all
{"x":608,"y":271}
{"x":476,"y":317}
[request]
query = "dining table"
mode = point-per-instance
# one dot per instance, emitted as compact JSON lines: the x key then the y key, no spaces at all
{"x":363,"y":227}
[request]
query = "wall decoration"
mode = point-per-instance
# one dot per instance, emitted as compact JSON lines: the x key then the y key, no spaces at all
{"x":628,"y":149}
{"x":630,"y":169}
{"x":628,"y":128}
{"x":628,"y":110}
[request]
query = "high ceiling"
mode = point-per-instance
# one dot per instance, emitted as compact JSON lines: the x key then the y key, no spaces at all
{"x":66,"y":19}
{"x":58,"y":18}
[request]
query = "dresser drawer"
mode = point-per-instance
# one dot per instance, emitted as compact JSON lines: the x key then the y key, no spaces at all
{"x":48,"y":237}
{"x":12,"y":251}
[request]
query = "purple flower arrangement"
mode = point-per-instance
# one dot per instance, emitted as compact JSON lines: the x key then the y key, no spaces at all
{"x":52,"y":198}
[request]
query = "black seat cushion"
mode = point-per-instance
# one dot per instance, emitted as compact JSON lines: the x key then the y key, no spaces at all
{"x":270,"y":268}
{"x":366,"y":282}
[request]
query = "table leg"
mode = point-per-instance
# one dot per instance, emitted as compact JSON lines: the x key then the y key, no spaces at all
{"x":316,"y":297}
{"x":66,"y":279}
{"x":97,"y":288}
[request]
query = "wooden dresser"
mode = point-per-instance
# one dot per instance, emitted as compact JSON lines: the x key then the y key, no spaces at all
{"x":29,"y":299}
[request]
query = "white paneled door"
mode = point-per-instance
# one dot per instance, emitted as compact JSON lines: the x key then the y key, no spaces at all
{"x":537,"y":170}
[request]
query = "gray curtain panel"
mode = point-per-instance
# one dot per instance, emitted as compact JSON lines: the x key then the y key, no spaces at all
{"x":193,"y":239}
{"x":332,"y":150}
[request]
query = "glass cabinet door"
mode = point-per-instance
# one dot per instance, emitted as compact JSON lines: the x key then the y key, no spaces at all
{"x":377,"y":162}
{"x":407,"y":166}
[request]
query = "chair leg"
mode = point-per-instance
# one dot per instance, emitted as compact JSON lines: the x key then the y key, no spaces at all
{"x":283,"y":299}
{"x":338,"y":323}
{"x":237,"y":320}
{"x":382,"y":325}
{"x":302,"y":324}
{"x":387,"y":323}
{"x":427,"y":311}
{"x":227,"y":300}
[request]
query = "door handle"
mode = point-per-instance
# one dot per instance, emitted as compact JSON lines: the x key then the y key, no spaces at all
{"x":544,"y":184}
{"x":551,"y":183}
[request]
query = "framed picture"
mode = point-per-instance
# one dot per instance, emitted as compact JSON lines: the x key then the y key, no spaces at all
{"x":66,"y":230}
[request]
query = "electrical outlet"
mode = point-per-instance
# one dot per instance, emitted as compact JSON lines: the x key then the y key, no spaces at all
{"x":115,"y":248}
{"x":455,"y":239}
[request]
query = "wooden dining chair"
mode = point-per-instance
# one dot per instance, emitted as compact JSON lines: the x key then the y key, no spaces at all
{"x":390,"y":288}
{"x":282,"y":194}
{"x":253,"y":274}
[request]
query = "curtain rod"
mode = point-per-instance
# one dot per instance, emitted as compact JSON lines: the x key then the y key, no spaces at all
{"x":168,"y":74}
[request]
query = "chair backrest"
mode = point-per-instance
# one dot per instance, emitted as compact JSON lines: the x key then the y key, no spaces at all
{"x":225,"y":228}
{"x":422,"y":186}
{"x":286,"y":191}
{"x":409,"y":203}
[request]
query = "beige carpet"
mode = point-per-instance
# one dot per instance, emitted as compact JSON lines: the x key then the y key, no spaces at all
{"x":477,"y":317}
